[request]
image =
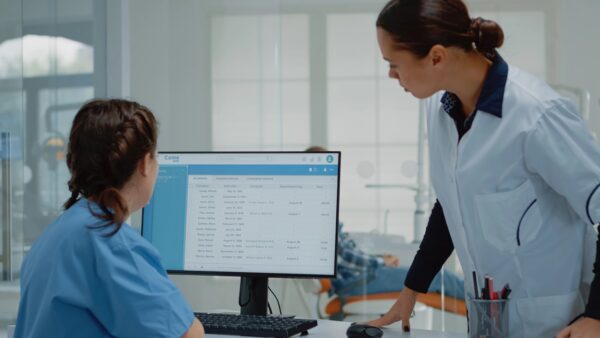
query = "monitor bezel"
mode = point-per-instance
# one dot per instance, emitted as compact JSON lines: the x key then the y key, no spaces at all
{"x":264,"y":274}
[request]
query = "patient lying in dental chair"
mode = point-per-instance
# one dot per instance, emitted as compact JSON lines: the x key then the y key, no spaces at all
{"x":359,"y":273}
{"x":361,"y":277}
{"x":374,"y":279}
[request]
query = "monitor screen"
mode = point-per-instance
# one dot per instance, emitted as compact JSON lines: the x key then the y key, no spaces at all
{"x":261,"y":213}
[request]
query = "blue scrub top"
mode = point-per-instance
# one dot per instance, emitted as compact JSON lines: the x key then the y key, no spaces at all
{"x":77,"y":282}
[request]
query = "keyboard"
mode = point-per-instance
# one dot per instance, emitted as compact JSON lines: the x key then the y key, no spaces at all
{"x":254,"y":326}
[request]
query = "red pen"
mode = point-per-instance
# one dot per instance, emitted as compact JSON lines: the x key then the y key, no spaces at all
{"x":490,"y":286}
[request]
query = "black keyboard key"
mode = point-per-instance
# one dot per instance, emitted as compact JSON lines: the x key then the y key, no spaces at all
{"x":254,"y":326}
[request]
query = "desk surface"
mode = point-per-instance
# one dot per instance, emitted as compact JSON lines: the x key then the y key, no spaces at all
{"x":333,"y":329}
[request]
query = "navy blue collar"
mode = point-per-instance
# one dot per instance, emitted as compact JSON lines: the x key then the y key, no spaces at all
{"x":492,"y":94}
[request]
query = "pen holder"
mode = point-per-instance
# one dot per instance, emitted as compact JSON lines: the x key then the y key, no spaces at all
{"x":488,"y":318}
{"x":10,"y":331}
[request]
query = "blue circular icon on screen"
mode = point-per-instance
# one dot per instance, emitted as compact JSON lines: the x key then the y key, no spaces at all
{"x":329,"y":158}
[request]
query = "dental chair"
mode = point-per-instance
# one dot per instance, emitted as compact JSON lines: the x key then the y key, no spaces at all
{"x":340,"y":306}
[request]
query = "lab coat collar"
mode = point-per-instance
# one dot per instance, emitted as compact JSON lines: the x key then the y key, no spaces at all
{"x":492,"y":94}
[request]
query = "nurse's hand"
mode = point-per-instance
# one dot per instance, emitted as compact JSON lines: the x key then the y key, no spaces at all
{"x":401,"y":310}
{"x":583,"y":328}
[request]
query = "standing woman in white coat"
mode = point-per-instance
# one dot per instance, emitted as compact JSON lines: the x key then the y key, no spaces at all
{"x":515,"y":170}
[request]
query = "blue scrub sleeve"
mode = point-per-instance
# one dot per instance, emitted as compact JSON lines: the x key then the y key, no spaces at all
{"x":136,"y":297}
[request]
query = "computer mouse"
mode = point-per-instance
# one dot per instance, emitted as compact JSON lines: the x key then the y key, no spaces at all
{"x":363,"y":331}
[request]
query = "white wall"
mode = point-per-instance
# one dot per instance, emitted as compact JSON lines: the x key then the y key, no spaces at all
{"x":170,"y":69}
{"x":149,"y":55}
{"x":173,"y":78}
{"x":169,"y":66}
{"x":578,"y":49}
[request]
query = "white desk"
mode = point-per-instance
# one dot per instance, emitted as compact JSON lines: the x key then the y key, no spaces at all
{"x":333,"y":329}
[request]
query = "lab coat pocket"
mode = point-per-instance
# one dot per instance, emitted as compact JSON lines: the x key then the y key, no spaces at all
{"x":546,"y":316}
{"x":509,"y":219}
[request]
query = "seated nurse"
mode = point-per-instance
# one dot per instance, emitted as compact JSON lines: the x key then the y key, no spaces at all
{"x":90,"y":274}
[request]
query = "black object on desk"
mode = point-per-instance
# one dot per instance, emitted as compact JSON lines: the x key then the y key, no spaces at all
{"x":254,"y":326}
{"x":363,"y":331}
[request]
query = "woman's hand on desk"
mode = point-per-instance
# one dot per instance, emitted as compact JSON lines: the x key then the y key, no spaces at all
{"x":401,"y":310}
{"x":583,"y":328}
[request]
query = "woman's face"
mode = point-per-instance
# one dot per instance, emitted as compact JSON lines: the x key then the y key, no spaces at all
{"x":416,"y":76}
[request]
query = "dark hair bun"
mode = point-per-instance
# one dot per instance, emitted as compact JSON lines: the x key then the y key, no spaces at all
{"x":487,"y":35}
{"x":418,"y":25}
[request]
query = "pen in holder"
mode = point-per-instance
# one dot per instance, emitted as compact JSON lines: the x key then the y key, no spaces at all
{"x":488,"y":318}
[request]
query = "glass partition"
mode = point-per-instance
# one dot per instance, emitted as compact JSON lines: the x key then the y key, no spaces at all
{"x":48,"y":58}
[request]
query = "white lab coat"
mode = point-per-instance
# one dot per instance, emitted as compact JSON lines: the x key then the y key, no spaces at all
{"x":517,"y":197}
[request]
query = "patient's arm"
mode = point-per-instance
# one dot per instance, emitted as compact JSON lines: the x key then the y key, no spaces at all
{"x":349,"y":253}
{"x":196,"y":330}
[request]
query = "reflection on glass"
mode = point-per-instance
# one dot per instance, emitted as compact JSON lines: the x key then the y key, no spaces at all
{"x":43,"y":56}
{"x":57,"y":65}
{"x":11,"y":160}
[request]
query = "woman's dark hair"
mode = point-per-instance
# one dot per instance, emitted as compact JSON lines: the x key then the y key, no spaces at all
{"x":315,"y":149}
{"x":418,"y":25}
{"x":107,"y":141}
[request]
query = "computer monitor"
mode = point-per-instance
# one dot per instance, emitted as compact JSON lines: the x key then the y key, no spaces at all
{"x":249,"y":214}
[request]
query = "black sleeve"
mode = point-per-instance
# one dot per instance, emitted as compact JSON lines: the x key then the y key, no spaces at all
{"x":592,"y":309}
{"x":433,"y":252}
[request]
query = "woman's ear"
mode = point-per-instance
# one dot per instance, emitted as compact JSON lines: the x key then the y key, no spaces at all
{"x":438,"y":55}
{"x":144,"y":165}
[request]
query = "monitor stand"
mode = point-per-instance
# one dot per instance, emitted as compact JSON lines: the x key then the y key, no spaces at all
{"x":253,"y":295}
